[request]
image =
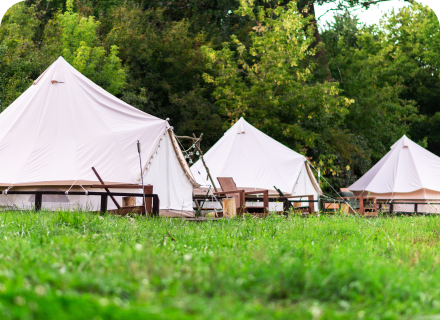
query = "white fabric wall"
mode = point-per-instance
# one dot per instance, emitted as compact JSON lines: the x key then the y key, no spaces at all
{"x":168,"y":178}
{"x":165,"y":174}
{"x":303,"y":187}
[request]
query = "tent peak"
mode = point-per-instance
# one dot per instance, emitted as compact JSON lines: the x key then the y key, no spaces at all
{"x":240,"y":126}
{"x":58,"y":75}
{"x":403,"y":142}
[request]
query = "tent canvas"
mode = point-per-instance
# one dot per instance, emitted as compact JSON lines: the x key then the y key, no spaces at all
{"x":64,"y":124}
{"x":408,"y":171}
{"x":256,"y":161}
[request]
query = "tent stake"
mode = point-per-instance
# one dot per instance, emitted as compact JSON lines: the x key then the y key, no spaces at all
{"x":106,"y":189}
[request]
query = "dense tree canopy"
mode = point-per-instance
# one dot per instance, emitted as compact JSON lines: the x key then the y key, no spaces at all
{"x":341,"y":96}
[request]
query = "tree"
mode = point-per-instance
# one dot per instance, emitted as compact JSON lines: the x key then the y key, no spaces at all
{"x":19,"y":59}
{"x":270,"y":82}
{"x":80,"y":47}
{"x":413,"y":37}
{"x":165,"y":66}
{"x":361,"y":59}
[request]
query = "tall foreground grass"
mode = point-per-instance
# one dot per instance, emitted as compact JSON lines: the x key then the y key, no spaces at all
{"x":80,"y":266}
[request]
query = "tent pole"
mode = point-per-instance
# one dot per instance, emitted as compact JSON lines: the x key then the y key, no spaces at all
{"x":319,"y":184}
{"x":196,"y":142}
{"x":204,"y":164}
{"x":142,"y":176}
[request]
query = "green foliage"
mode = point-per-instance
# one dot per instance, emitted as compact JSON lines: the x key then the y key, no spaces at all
{"x":216,"y":18}
{"x":205,"y":63}
{"x":23,"y":57}
{"x":391,"y":72}
{"x":413,"y":35}
{"x":19,"y":61}
{"x":20,"y":24}
{"x":270,"y":82}
{"x":360,"y":60}
{"x":165,"y":70}
{"x":59,"y":265}
{"x":79,"y":45}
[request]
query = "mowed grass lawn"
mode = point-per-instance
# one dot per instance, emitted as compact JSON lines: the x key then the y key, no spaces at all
{"x":81,"y":266}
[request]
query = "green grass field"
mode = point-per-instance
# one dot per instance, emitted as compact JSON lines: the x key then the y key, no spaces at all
{"x":80,"y":266}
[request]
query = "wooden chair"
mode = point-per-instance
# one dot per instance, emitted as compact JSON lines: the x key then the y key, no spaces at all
{"x":367,"y":206}
{"x":230,"y":188}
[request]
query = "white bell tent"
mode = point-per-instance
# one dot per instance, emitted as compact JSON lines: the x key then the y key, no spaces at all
{"x":64,"y":124}
{"x":256,"y":161}
{"x":407,"y":172}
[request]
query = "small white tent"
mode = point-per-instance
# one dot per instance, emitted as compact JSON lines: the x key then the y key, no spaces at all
{"x":407,"y":172}
{"x":64,"y":124}
{"x":256,"y":161}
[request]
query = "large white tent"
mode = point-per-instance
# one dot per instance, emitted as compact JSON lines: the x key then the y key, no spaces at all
{"x":64,"y":124}
{"x":256,"y":161}
{"x":407,"y":172}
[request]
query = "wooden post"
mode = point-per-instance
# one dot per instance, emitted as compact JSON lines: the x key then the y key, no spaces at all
{"x":286,"y":205}
{"x":156,"y":205}
{"x":196,"y":202}
{"x":148,"y":200}
{"x":311,"y":205}
{"x":391,"y":208}
{"x":361,"y":206}
{"x":416,"y":208}
{"x":104,"y":200}
{"x":38,"y":201}
{"x":266,"y":202}
{"x":242,"y":202}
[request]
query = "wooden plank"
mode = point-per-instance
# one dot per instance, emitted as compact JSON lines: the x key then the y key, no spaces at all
{"x":227,"y":183}
{"x":118,"y":186}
